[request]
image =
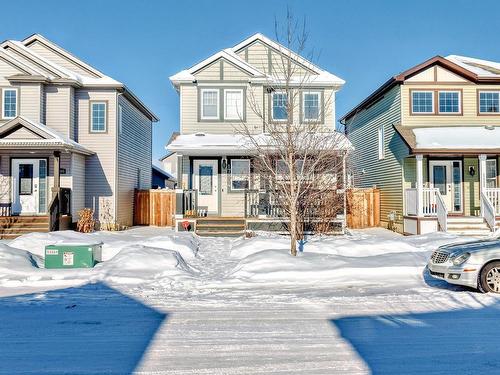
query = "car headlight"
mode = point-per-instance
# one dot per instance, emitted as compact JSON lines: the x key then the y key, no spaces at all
{"x":460,"y":259}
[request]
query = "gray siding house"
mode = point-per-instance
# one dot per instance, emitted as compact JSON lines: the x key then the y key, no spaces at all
{"x":70,"y":136}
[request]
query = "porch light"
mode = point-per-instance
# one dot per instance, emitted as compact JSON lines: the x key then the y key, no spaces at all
{"x":224,"y":164}
{"x":472,"y":170}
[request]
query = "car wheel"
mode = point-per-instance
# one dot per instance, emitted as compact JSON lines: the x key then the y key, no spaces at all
{"x":489,"y":279}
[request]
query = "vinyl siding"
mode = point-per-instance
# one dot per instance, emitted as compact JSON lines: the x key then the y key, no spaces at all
{"x":258,"y":56}
{"x":78,"y":184}
{"x":99,"y":168}
{"x":58,"y":101}
{"x":134,"y":155}
{"x":386,"y":174}
{"x":22,"y":133}
{"x":30,"y":100}
{"x":6,"y":70}
{"x":211,"y":72}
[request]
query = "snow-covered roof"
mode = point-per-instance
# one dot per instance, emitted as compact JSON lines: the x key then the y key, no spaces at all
{"x":48,"y":137}
{"x":229,"y":144}
{"x":482,"y":68}
{"x":451,"y":138}
{"x":163,"y":172}
{"x":319,"y":76}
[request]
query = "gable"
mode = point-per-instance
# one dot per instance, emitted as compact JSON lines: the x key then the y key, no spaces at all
{"x":221,"y":69}
{"x":53,"y":55}
{"x":20,"y":132}
{"x":436,"y":74}
{"x":444,"y":75}
{"x":8,"y":69}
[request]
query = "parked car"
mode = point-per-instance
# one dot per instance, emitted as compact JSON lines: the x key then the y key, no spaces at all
{"x":475,"y":264}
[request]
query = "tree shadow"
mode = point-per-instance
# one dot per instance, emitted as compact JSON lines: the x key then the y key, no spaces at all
{"x":90,"y":329}
{"x":464,"y":341}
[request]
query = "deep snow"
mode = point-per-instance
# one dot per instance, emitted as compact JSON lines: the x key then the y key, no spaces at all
{"x":175,"y":304}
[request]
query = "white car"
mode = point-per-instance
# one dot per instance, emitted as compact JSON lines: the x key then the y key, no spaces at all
{"x":475,"y":264}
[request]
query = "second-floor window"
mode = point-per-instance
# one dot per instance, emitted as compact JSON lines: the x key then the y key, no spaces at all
{"x":280,"y":103}
{"x":311,"y":104}
{"x":489,"y":102}
{"x":422,"y":102}
{"x":449,"y":102}
{"x":233,"y":104}
{"x":210,"y":104}
{"x":9,"y":101}
{"x":98,"y":117}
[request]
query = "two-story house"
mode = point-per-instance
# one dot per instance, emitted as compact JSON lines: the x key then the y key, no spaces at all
{"x":215,"y":97}
{"x":70,"y":137}
{"x":429,"y":138}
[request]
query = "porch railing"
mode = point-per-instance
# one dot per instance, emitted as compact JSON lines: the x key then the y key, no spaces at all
{"x":441,"y":212}
{"x":262,"y":203}
{"x":190,"y":202}
{"x":429,"y":201}
{"x":493,"y":194}
{"x":488,"y":210}
{"x":6,"y":209}
{"x":59,"y":205}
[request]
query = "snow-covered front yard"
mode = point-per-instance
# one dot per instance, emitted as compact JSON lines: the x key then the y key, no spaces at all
{"x":166,"y":302}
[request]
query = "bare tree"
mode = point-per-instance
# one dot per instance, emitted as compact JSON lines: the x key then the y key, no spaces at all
{"x":298,"y":155}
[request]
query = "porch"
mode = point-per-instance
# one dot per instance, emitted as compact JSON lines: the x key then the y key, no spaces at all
{"x":451,"y":193}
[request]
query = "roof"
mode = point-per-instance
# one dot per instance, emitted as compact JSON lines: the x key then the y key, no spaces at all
{"x":228,"y":144}
{"x":446,"y":139}
{"x":163,"y":172}
{"x":42,"y":68}
{"x":319,"y":75}
{"x":472,"y":69}
{"x":48,"y":137}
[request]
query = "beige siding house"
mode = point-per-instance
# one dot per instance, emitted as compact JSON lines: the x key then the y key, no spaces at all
{"x":429,"y":138}
{"x":70,"y":136}
{"x":217,"y":95}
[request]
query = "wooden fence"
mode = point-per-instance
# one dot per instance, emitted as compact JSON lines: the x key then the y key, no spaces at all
{"x":154,"y":207}
{"x":363,"y":208}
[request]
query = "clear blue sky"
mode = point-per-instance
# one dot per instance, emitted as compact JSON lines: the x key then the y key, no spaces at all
{"x":142,"y":43}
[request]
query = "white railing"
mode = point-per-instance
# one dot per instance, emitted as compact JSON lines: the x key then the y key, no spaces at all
{"x":429,"y":200}
{"x":494,"y":197}
{"x":411,"y":200}
{"x":442,"y":212}
{"x":488,"y":210}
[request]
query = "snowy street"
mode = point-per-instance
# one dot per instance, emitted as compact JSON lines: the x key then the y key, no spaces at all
{"x":167,"y":303}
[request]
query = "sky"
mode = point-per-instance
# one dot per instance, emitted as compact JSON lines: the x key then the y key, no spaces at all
{"x":142,"y":43}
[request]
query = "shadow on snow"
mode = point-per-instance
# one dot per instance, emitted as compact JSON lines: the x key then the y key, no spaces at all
{"x":89,"y":329}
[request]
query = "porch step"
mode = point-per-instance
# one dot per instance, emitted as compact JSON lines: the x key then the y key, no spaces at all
{"x":465,"y":219}
{"x":220,"y":227}
{"x":468,"y":226}
{"x":15,"y":226}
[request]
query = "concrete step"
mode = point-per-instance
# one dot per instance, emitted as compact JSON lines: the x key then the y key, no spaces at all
{"x":220,"y":233}
{"x":465,"y":219}
{"x":220,"y":221}
{"x":471,"y":232}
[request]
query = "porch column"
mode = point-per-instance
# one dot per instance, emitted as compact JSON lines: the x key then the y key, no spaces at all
{"x":482,"y":172}
{"x":179,"y":172}
{"x":57,"y":171}
{"x":420,"y":185}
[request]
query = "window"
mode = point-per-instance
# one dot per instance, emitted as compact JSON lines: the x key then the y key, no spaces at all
{"x":205,"y":180}
{"x":449,"y":102}
{"x":381,"y":144}
{"x":280,"y":103}
{"x":25,"y":179}
{"x":233,"y":104}
{"x":489,"y":102}
{"x":210,"y":104}
{"x":422,"y":102}
{"x":240,"y":174}
{"x":491,"y":173}
{"x":98,"y":117}
{"x":9,"y":103}
{"x":311,"y":105}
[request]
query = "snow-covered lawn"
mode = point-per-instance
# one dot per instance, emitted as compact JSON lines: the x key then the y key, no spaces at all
{"x":171,"y":303}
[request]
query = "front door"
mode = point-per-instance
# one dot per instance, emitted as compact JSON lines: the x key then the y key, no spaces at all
{"x":205,"y":180}
{"x":446,"y":175}
{"x":29,"y":186}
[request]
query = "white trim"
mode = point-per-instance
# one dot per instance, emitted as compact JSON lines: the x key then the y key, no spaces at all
{"x":3,"y":102}
{"x":202,"y":116}
{"x":381,"y":142}
{"x":241,"y":115}
{"x":231,"y":177}
{"x":92,"y":130}
{"x":304,"y":93}
{"x":272,"y":106}
{"x":413,"y":102}
{"x":458,"y":92}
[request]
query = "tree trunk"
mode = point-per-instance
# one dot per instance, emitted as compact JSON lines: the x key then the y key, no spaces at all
{"x":293,"y":231}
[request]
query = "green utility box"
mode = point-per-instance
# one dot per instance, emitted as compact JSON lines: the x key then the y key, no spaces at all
{"x":72,"y":255}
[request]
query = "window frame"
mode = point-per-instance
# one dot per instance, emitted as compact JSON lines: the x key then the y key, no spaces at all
{"x":381,"y":142}
{"x":495,"y":178}
{"x":272,"y":106}
{"x":91,"y":116}
{"x":201,"y":105}
{"x":241,"y":92}
{"x":320,"y":105}
{"x":438,"y":107}
{"x":479,"y":113}
{"x":433,"y":95}
{"x":231,"y":174}
{"x":4,"y":91}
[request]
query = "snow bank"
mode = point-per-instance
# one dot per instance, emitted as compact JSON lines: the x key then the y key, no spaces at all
{"x":366,"y":257}
{"x":113,"y":242}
